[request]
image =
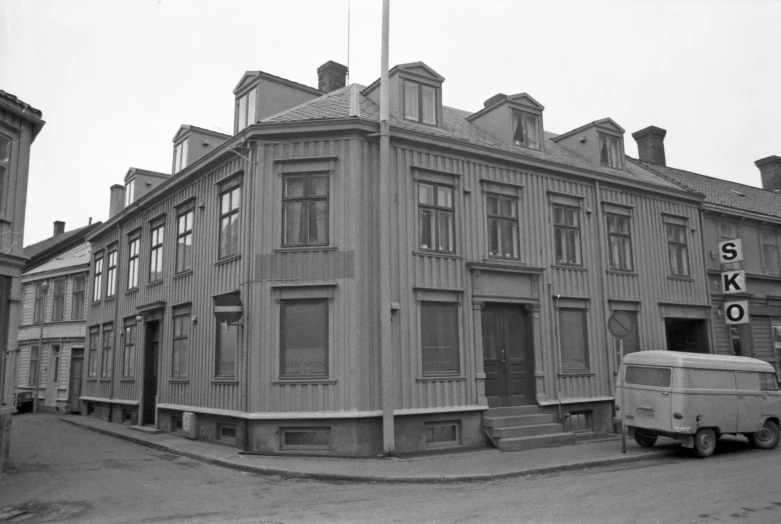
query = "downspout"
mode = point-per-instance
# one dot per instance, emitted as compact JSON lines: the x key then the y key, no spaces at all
{"x":244,"y":342}
{"x":712,"y":330}
{"x":601,"y":243}
{"x":386,"y":349}
{"x":555,"y":345}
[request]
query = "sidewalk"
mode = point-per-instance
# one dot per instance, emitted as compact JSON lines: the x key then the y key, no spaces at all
{"x":461,"y":466}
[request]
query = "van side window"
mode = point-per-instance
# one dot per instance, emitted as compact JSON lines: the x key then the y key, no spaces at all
{"x":709,"y":379}
{"x":648,"y":376}
{"x":747,"y":381}
{"x":767,"y":382}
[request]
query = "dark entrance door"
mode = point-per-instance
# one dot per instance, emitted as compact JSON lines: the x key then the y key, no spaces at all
{"x":152,"y":340}
{"x":74,"y":384}
{"x":508,"y":356}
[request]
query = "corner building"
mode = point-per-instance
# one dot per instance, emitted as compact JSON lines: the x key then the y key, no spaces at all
{"x":510,"y":249}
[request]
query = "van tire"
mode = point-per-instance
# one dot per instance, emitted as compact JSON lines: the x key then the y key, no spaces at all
{"x":767,"y":437}
{"x":705,"y":442}
{"x":645,"y":440}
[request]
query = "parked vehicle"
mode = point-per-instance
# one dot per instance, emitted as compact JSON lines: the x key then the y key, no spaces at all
{"x":24,"y":401}
{"x":696,"y":398}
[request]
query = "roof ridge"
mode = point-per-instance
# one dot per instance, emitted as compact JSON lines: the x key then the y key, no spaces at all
{"x":645,"y":163}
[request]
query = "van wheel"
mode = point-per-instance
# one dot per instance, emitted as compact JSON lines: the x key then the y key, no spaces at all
{"x":644,"y":440}
{"x":767,"y":437}
{"x":705,"y":442}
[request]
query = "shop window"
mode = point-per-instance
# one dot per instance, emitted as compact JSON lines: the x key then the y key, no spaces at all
{"x":439,"y":338}
{"x":304,"y":339}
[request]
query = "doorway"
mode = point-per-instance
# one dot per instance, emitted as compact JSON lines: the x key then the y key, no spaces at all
{"x":151,"y":347}
{"x":74,"y":382}
{"x":684,"y":334}
{"x":508,"y":356}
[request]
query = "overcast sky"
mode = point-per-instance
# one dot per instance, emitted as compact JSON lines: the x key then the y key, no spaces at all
{"x":116,"y":79}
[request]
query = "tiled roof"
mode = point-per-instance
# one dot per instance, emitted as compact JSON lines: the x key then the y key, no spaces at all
{"x":53,"y":245}
{"x":336,"y":105}
{"x":12,"y":99}
{"x":76,"y":256}
{"x":725,"y":193}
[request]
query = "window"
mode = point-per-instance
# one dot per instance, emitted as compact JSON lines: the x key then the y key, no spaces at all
{"x":180,"y":155}
{"x":768,"y":382}
{"x":619,"y":240}
{"x":226,"y":433}
{"x":129,"y":350}
{"x":32,"y":374}
{"x":5,"y":160}
{"x":439,"y":338}
{"x":246,"y":110}
{"x":58,"y":300}
{"x":305,"y":438}
{"x":526,"y":130}
{"x":437,"y":217}
{"x":443,"y":434}
{"x":566,"y":235}
{"x":420,"y":102}
{"x":111,"y":273}
{"x":92,"y":358}
{"x":304,"y":339}
{"x":770,"y":252}
{"x":156,"y":252}
{"x":573,"y":340}
{"x":132,"y":263}
{"x":305,"y":210}
{"x":130,"y":192}
{"x":610,"y":151}
{"x":97,"y":283}
{"x":181,"y":346}
{"x":184,"y":239}
{"x":229,"y":222}
{"x":677,"y":250}
{"x":105,"y":362}
{"x":502,"y":226}
{"x":734,"y":336}
{"x":38,"y":306}
{"x":56,"y":350}
{"x":227,"y":344}
{"x":728,"y":230}
{"x":77,"y":299}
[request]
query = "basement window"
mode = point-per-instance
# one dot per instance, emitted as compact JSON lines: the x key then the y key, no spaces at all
{"x":580,"y":421}
{"x":443,"y":434}
{"x":306,"y":438}
{"x":226,"y":433}
{"x":177,"y":424}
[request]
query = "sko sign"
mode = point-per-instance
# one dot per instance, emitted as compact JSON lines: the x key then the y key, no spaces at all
{"x":733,"y":282}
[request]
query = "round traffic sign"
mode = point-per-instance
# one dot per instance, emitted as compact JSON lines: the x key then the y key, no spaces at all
{"x":621,"y":324}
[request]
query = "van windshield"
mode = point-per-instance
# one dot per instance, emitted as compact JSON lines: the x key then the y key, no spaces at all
{"x":648,"y":376}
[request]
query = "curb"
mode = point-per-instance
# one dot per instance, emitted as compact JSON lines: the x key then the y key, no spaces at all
{"x":337,"y":477}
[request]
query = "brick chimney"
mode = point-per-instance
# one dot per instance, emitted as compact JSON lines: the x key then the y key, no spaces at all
{"x":494,"y":99}
{"x":59,"y":228}
{"x":117,"y":200}
{"x":770,"y":169}
{"x":331,"y":76}
{"x":650,"y":145}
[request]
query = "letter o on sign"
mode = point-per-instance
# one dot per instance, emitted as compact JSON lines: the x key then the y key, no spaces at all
{"x":736,"y":312}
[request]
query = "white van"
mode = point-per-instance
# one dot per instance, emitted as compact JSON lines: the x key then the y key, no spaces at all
{"x":696,"y":398}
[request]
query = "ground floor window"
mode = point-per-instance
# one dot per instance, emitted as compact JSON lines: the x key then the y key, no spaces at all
{"x":304,"y":338}
{"x":306,"y":438}
{"x":32,"y":375}
{"x":439,"y":338}
{"x":573,"y":340}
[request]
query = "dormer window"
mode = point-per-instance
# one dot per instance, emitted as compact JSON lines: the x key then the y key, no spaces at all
{"x":526,"y":130}
{"x":180,"y":155}
{"x":246,"y":109}
{"x":420,"y":102}
{"x":610,"y":151}
{"x":130,"y":192}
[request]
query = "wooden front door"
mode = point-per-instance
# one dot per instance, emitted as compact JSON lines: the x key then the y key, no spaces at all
{"x":74,"y":382}
{"x":508,"y":357}
{"x":150,"y":371}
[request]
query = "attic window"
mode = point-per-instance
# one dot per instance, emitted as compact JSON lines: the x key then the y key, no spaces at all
{"x":420,"y":102}
{"x":526,"y":130}
{"x":181,"y":151}
{"x":246,"y":109}
{"x":610,"y":151}
{"x":130,"y":195}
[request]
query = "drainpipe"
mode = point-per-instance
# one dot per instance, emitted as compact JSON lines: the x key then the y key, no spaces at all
{"x":386,"y":349}
{"x":601,"y":243}
{"x":248,"y":266}
{"x":45,"y":291}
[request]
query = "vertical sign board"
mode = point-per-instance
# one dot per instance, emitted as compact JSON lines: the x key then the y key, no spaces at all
{"x":733,"y":281}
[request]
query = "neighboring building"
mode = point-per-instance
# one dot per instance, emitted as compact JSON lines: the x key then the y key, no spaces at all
{"x":510,"y":248}
{"x":731,"y":211}
{"x":53,"y":323}
{"x":19,"y":126}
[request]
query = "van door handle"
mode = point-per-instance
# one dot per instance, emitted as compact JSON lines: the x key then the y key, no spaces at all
{"x":666,"y":394}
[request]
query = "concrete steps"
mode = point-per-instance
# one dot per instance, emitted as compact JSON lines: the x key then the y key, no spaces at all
{"x":524,"y":427}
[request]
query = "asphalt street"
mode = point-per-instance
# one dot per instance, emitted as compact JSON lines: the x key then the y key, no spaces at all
{"x":63,"y":473}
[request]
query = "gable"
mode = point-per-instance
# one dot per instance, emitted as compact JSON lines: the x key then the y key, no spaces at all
{"x":247,"y":79}
{"x":608,"y":124}
{"x":420,"y":69}
{"x":527,"y":101}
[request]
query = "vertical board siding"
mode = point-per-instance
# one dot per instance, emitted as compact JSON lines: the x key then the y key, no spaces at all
{"x":763,"y":340}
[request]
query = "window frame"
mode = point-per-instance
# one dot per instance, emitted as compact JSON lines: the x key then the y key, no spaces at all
{"x":58,"y":299}
{"x":503,"y":219}
{"x":583,"y":312}
{"x":106,"y":349}
{"x":678,"y":249}
{"x":182,"y":235}
{"x":92,"y":354}
{"x":5,"y":167}
{"x":180,"y":316}
{"x":436,"y":210}
{"x":523,"y":117}
{"x":97,"y":280}
{"x":615,"y":154}
{"x":181,"y":152}
{"x":419,"y":104}
{"x":77,"y":297}
{"x":39,"y":309}
{"x":111,"y":271}
{"x":156,"y":246}
{"x":770,"y":262}
{"x":34,"y":370}
{"x":246,"y":104}
{"x":56,"y":351}
{"x":284,"y":304}
{"x":129,"y":337}
{"x":133,"y":259}
{"x":560,"y":229}
{"x":624,"y":241}
{"x":455,"y":307}
{"x":218,"y":352}
{"x":228,"y":189}
{"x":305,"y":201}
